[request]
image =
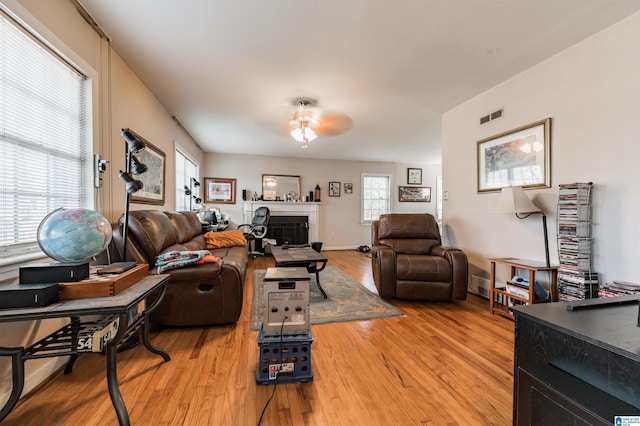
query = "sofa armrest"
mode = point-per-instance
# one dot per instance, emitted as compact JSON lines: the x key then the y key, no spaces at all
{"x":459,"y":269}
{"x":383,"y":266}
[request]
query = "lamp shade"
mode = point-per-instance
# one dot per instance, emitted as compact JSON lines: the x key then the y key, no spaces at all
{"x":514,"y":200}
{"x":134,"y":144}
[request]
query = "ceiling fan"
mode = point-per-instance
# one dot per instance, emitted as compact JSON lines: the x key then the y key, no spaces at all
{"x":308,"y":122}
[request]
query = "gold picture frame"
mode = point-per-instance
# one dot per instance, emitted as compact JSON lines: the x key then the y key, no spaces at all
{"x":219,"y":190}
{"x":518,"y":157}
{"x":153,"y":180}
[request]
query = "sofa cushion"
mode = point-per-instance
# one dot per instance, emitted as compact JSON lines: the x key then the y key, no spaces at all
{"x":408,"y":233}
{"x":152,"y":231}
{"x":186,"y":224}
{"x":422,"y":268}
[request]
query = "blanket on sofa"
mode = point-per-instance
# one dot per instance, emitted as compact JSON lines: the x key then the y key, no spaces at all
{"x":177,"y":259}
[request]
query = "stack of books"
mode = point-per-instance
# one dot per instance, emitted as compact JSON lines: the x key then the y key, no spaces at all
{"x":576,"y":280}
{"x":521,"y":290}
{"x":618,"y":288}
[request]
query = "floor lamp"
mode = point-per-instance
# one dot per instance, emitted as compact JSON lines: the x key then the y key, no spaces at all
{"x":133,"y":167}
{"x":514,"y":200}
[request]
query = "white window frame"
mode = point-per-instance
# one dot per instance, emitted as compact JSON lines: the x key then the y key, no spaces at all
{"x":33,"y":195}
{"x":387,"y":209}
{"x":183,"y":176}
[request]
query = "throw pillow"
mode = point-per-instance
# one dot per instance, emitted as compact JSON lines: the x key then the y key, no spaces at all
{"x":222,"y":239}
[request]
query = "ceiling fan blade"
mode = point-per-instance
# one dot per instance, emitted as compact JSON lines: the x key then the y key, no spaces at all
{"x":333,"y":124}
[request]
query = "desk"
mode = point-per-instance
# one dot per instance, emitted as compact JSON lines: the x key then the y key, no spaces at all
{"x":64,"y":342}
{"x":500,"y":299}
{"x":301,"y":257}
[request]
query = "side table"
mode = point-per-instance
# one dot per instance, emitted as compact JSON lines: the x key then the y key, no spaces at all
{"x":500,"y":299}
{"x":301,"y":257}
{"x":64,"y":342}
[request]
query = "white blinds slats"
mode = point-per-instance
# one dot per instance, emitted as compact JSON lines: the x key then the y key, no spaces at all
{"x":44,"y":139}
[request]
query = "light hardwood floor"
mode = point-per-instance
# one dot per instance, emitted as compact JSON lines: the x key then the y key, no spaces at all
{"x":440,"y":364}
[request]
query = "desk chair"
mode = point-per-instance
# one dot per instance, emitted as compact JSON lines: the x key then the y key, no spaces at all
{"x":256,"y":230}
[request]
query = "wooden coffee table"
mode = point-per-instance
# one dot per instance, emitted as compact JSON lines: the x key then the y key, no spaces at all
{"x":301,"y":257}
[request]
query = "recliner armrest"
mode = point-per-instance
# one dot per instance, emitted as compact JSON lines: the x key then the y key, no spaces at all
{"x":459,"y":269}
{"x":383,"y":262}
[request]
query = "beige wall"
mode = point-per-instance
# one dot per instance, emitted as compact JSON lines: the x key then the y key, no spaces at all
{"x":590,"y":91}
{"x":120,"y":100}
{"x":340,"y":226}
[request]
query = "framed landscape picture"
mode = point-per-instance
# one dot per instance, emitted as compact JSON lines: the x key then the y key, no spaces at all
{"x":153,"y":179}
{"x":414,"y":194}
{"x":219,"y":190}
{"x":519,"y":157}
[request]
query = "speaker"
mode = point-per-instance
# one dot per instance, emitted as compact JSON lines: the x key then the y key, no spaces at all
{"x":53,"y":272}
{"x":28,"y":295}
{"x":245,"y":194}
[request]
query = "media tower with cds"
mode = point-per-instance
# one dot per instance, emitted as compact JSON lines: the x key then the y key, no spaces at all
{"x":576,"y":278}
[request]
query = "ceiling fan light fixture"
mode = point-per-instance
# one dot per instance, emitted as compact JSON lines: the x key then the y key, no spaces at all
{"x":303,"y":134}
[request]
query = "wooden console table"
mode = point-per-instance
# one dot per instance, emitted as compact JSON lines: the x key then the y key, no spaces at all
{"x":579,"y":366}
{"x":500,"y":299}
{"x":65,"y":342}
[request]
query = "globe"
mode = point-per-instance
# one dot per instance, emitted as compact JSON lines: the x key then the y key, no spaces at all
{"x":74,"y":235}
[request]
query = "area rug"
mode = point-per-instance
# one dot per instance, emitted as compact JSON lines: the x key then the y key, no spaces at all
{"x":347,"y":300}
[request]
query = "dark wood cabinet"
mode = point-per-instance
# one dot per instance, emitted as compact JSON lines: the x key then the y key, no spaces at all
{"x":576,"y":367}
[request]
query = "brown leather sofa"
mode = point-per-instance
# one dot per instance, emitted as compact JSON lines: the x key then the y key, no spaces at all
{"x":409,"y":262}
{"x":197,"y":295}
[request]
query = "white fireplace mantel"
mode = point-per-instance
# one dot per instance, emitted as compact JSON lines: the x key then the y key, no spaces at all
{"x":285,"y":208}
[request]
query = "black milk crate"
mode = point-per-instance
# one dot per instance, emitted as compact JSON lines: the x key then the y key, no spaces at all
{"x":288,"y":357}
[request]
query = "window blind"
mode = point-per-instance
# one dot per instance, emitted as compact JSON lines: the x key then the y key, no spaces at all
{"x":376,"y":196}
{"x":45,"y":139}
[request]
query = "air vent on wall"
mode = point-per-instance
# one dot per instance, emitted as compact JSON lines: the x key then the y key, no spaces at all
{"x":490,"y":117}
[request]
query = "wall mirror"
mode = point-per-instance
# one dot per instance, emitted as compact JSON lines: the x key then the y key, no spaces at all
{"x":280,"y":187}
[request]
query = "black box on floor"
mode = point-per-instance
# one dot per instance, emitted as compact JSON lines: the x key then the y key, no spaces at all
{"x":28,"y":295}
{"x":285,"y":358}
{"x":53,"y":272}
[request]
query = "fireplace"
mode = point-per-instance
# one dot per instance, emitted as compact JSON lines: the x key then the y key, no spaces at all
{"x":309,"y":210}
{"x":288,"y":229}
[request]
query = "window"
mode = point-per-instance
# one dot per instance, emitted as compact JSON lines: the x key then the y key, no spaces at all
{"x":376,"y":196}
{"x":186,"y":168}
{"x":45,"y":137}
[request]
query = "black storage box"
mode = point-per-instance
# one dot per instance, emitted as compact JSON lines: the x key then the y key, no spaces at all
{"x":53,"y":272}
{"x":28,"y":295}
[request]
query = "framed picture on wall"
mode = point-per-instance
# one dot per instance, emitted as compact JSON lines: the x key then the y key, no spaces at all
{"x":348,"y":188}
{"x":519,"y":157}
{"x":219,"y":190}
{"x":414,"y":176}
{"x":153,"y":179}
{"x":334,"y":189}
{"x":414,"y":194}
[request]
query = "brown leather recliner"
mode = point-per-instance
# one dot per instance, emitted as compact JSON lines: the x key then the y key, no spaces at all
{"x":197,"y":295}
{"x":409,"y":262}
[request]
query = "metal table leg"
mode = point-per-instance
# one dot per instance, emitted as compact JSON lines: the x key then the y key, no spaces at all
{"x":313,"y":268}
{"x":112,"y":372}
{"x":17,"y":377}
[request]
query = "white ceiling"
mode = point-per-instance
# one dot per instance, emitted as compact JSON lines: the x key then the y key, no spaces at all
{"x":230,"y":69}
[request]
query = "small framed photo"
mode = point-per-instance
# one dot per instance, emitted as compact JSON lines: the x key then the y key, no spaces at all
{"x":414,"y":194}
{"x":414,"y":176}
{"x":348,"y":188}
{"x":219,"y":190}
{"x":334,"y":189}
